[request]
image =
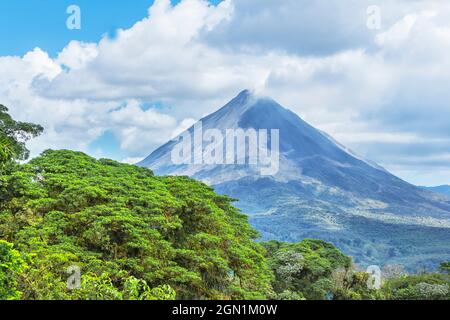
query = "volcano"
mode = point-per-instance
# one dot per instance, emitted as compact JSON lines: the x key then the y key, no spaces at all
{"x":320,"y":190}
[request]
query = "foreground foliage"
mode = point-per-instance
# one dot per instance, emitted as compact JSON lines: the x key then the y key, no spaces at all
{"x":315,"y":270}
{"x":418,"y":287}
{"x":117,"y":221}
{"x":11,"y":264}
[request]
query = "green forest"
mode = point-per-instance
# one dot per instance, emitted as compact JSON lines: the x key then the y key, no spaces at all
{"x":137,"y":236}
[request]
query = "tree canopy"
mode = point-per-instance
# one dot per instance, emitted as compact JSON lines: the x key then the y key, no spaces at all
{"x":66,"y":208}
{"x":305,"y":269}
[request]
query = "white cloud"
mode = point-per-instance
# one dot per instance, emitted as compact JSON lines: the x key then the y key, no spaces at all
{"x":133,"y":115}
{"x":41,"y":65}
{"x":140,"y":130}
{"x":77,"y":55}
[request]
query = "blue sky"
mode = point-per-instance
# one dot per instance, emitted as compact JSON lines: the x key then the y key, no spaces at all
{"x":42,"y":23}
{"x":381,"y":91}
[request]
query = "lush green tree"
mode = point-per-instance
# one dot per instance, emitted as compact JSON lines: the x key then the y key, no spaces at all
{"x":6,"y":150}
{"x":350,"y":284}
{"x":67,"y":209}
{"x":11,"y":264}
{"x":305,"y":268}
{"x":13,"y":135}
{"x":418,"y":287}
{"x":288,"y":295}
{"x":94,"y":287}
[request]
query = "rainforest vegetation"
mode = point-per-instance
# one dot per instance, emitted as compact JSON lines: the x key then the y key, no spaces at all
{"x":136,"y":236}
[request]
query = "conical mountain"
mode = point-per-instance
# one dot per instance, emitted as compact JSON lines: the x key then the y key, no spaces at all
{"x":321,"y":189}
